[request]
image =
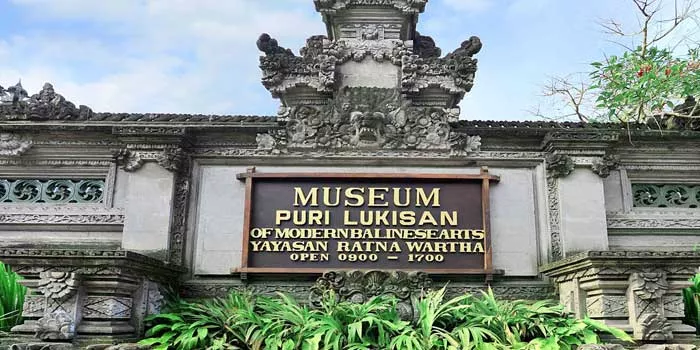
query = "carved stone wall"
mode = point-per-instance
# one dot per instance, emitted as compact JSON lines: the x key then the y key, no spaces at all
{"x":87,"y":293}
{"x":639,"y":292}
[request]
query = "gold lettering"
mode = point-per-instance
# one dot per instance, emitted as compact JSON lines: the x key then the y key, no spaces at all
{"x":478,"y":247}
{"x":316,"y":217}
{"x":310,"y":199}
{"x":397,"y":197}
{"x":282,"y":215}
{"x":423,"y":200}
{"x":347,"y":220}
{"x":327,"y":195}
{"x":354,"y":193}
{"x":427,"y":218}
{"x":374,"y":196}
{"x":478,"y":234}
{"x":448,"y":218}
{"x":407,"y":218}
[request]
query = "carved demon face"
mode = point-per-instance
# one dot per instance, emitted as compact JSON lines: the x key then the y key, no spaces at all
{"x":369,"y":129}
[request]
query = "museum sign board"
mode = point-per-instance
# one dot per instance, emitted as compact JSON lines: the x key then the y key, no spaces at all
{"x":315,"y":222}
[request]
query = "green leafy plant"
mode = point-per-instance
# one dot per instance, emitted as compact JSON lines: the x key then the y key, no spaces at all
{"x":241,"y":321}
{"x":646,"y":82}
{"x":11,"y":298}
{"x":691,"y":300}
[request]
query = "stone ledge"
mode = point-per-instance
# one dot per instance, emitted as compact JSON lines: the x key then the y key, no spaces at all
{"x":18,"y":257}
{"x":621,"y":258}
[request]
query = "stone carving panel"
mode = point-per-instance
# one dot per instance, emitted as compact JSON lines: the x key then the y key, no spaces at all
{"x":360,"y":286}
{"x":111,"y":307}
{"x":666,"y":195}
{"x":605,"y":306}
{"x":51,"y":191}
{"x":369,"y":118}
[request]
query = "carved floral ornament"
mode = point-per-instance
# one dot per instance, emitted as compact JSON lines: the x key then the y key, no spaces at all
{"x":369,"y":118}
{"x":58,"y":285}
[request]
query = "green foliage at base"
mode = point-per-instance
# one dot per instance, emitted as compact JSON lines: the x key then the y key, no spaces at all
{"x":11,"y":298}
{"x":243,"y":321}
{"x":691,"y":299}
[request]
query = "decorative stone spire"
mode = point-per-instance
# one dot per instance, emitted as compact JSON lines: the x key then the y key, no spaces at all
{"x":372,"y":82}
{"x":16,"y":104}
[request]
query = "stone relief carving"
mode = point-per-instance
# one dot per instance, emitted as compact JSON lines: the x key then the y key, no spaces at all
{"x":171,"y":159}
{"x":55,"y":326}
{"x":419,"y":72}
{"x":654,"y":327}
{"x":360,"y":286}
{"x":58,"y":285}
{"x":128,"y":160}
{"x":559,"y":165}
{"x":556,"y":249}
{"x":15,"y":104}
{"x":370,"y":118}
{"x":607,"y":306}
{"x":645,"y":298}
{"x":648,"y":285}
{"x":63,"y":219}
{"x":178,"y":226}
{"x":111,"y":307}
{"x":603,"y":166}
{"x":425,"y":47}
{"x":13,"y":145}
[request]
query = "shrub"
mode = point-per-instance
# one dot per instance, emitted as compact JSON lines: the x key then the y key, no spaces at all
{"x":691,"y":300}
{"x":11,"y":298}
{"x":241,"y":321}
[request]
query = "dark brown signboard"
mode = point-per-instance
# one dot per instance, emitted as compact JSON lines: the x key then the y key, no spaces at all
{"x":297,"y":223}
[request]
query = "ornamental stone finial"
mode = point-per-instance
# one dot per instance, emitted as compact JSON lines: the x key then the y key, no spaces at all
{"x":16,"y":104}
{"x":373,"y":82}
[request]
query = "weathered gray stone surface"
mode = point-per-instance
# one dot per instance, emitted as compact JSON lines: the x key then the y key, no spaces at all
{"x":583,"y":212}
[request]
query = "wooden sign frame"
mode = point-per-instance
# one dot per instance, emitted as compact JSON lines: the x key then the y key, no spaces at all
{"x":251,"y":176}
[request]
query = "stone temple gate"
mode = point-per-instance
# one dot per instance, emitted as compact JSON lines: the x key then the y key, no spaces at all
{"x":101,"y":212}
